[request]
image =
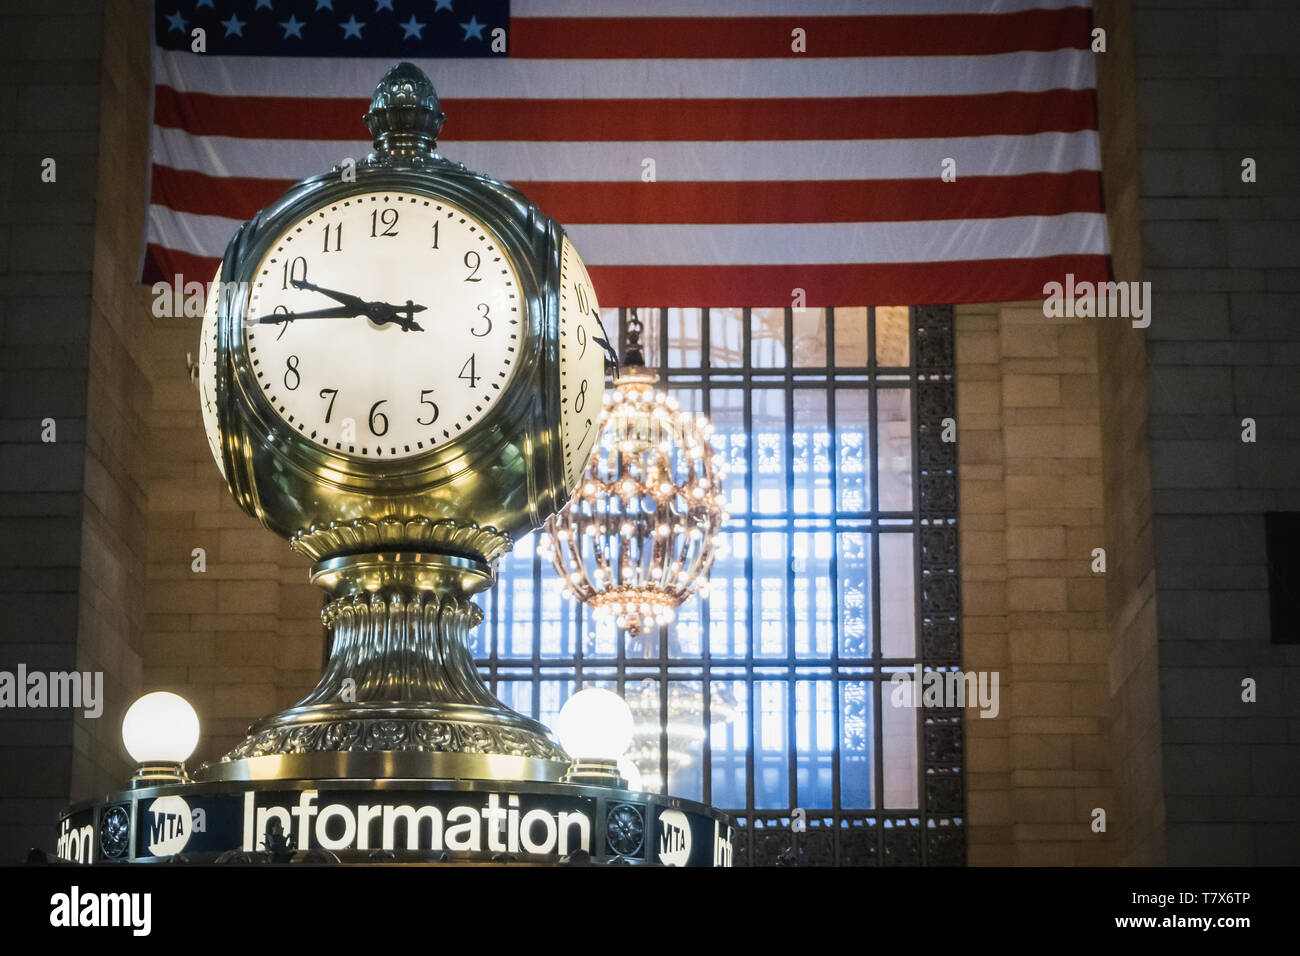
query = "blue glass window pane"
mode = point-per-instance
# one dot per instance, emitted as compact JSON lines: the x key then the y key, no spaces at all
{"x":602,"y":638}
{"x":812,"y":453}
{"x":771,"y":747}
{"x":642,"y":697}
{"x":729,"y":741}
{"x":728,"y":603}
{"x":769,"y":432}
{"x":853,"y":568}
{"x":686,"y":739}
{"x":731,"y":445}
{"x":686,"y":633}
{"x":814,"y":742}
{"x":558,"y":625}
{"x":771,"y":559}
{"x":814,"y":606}
{"x":552,"y":694}
{"x":853,"y":437}
{"x":517,"y":695}
{"x":857,"y":736}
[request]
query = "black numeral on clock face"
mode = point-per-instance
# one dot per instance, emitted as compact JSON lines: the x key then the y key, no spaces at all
{"x":580,"y":293}
{"x":291,"y":368}
{"x":295,"y":270}
{"x":471,"y":377}
{"x":333,"y":394}
{"x":580,"y":401}
{"x":284,"y":326}
{"x":386,"y":218}
{"x":483,"y":313}
{"x":430,"y":403}
{"x":377,"y":417}
{"x":338,"y":238}
{"x":582,"y":340}
{"x":472,"y":262}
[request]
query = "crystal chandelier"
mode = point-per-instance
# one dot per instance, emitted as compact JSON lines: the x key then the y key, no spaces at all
{"x":638,"y":536}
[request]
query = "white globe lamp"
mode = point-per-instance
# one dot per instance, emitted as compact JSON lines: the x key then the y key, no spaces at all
{"x":595,"y":727}
{"x":160,"y":731}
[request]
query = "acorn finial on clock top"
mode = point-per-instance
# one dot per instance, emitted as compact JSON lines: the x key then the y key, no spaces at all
{"x":408,"y":380}
{"x":405,"y":116}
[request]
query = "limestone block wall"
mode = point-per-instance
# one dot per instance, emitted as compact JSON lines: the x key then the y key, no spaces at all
{"x":50,"y":79}
{"x":1134,"y":688}
{"x":1215,"y":86}
{"x":1031,"y":467}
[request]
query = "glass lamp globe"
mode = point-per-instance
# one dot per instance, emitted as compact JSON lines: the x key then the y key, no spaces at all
{"x":160,"y":731}
{"x":595,"y":727}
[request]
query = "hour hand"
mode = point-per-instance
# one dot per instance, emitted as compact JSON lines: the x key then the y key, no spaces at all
{"x":352,"y":301}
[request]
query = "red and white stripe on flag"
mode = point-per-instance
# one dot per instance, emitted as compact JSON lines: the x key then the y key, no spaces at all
{"x":772,"y":170}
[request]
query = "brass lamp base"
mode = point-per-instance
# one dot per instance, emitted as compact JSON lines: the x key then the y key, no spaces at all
{"x":400,"y":696}
{"x":595,"y":772}
{"x":158,"y":773}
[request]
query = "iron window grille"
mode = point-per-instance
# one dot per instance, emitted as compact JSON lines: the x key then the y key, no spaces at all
{"x":843,"y":570}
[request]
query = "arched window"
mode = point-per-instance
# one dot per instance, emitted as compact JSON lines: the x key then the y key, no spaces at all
{"x":771,"y":699}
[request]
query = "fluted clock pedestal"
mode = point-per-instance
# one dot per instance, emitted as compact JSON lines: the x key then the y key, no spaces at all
{"x":400,"y":696}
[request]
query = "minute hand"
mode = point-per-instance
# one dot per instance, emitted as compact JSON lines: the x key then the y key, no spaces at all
{"x":336,"y":312}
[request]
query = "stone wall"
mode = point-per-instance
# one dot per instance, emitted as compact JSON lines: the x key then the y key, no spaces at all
{"x":112,"y":589}
{"x":49,"y":108}
{"x":1030,"y":461}
{"x":1137,"y":817}
{"x":1216,"y":85}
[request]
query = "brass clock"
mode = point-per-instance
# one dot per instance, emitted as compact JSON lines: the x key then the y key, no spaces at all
{"x":402,"y":368}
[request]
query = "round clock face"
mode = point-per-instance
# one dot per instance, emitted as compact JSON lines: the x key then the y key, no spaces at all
{"x":383,"y":325}
{"x":208,"y":370}
{"x":582,"y":364}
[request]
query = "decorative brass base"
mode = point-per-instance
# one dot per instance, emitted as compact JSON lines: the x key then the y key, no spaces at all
{"x":400,"y":696}
{"x":595,"y":772}
{"x":158,"y":773}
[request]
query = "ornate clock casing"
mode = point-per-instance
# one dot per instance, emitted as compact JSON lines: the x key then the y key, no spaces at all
{"x":429,"y":407}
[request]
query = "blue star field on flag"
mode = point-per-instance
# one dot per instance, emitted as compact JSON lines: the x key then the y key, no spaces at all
{"x":321,"y":28}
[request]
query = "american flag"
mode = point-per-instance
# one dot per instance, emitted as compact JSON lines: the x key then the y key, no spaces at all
{"x":697,"y":156}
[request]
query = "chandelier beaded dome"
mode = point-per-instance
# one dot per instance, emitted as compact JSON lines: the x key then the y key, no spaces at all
{"x":639,"y":534}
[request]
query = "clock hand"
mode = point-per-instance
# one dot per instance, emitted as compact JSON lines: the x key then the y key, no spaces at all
{"x":337,"y":312}
{"x":380,"y":313}
{"x":611,"y":357}
{"x":346,"y":298}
